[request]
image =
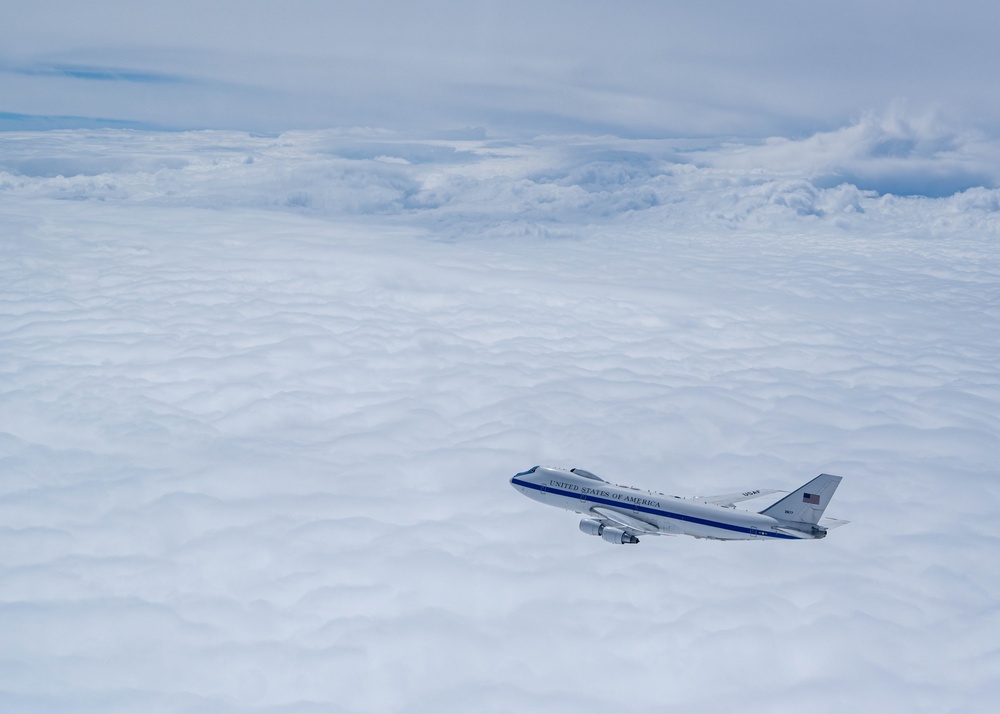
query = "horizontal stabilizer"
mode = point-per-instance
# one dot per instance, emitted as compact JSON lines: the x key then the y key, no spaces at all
{"x":831,"y":523}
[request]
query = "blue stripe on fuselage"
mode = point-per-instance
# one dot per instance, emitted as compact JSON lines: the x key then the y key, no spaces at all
{"x":646,"y":509}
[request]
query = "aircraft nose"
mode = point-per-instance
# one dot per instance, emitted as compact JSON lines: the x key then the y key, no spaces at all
{"x":522,"y":474}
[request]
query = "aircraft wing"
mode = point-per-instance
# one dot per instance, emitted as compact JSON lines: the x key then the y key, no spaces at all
{"x":728,"y":500}
{"x":626,"y":520}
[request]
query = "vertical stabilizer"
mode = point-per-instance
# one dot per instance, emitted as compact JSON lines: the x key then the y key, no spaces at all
{"x":807,"y":503}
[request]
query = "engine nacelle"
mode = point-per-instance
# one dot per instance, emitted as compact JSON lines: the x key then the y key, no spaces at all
{"x":591,"y":527}
{"x":617,"y":536}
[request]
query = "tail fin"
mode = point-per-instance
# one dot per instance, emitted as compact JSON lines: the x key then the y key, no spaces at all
{"x":806,"y":503}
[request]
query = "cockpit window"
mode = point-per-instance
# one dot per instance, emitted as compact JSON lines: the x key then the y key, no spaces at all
{"x":587,"y":474}
{"x":529,"y":471}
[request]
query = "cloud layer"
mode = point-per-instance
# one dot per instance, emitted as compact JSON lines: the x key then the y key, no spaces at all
{"x":262,"y":395}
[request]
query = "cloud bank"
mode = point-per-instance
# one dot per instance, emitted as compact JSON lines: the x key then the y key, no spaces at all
{"x":261,"y":397}
{"x":897,"y":152}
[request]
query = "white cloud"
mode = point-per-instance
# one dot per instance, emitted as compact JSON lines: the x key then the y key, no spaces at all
{"x":255,"y":450}
{"x":897,"y":152}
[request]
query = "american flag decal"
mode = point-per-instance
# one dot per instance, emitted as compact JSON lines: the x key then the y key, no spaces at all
{"x":812,"y":498}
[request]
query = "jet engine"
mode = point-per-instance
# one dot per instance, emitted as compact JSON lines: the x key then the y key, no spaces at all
{"x":618,"y":536}
{"x":591,"y":527}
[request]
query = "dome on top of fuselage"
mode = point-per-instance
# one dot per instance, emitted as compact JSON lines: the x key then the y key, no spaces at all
{"x":587,"y":474}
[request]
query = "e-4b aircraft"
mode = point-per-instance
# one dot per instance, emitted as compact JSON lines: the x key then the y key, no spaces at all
{"x":620,"y":514}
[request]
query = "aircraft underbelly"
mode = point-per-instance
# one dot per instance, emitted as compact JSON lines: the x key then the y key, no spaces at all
{"x":700,"y":530}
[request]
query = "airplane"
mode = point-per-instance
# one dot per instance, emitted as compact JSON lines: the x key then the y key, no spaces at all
{"x":620,"y":514}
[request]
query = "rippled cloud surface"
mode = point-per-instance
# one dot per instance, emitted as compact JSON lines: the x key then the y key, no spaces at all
{"x":260,"y":398}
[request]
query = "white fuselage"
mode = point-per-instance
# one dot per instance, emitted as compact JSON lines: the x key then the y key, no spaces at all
{"x":669,"y":514}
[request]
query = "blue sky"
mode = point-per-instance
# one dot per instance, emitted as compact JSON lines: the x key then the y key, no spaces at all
{"x":634,"y":69}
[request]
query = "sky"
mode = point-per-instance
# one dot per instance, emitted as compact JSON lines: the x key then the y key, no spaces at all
{"x":290,"y":291}
{"x":640,"y":69}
